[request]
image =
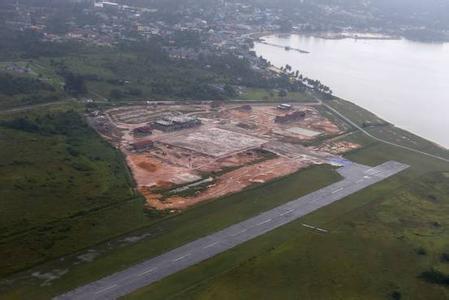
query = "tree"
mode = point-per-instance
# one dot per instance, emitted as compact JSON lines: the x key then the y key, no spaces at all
{"x":282,"y":93}
{"x":116,"y":94}
{"x":74,"y":84}
{"x":229,"y":91}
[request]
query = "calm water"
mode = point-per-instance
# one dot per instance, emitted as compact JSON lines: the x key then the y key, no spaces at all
{"x":404,"y":82}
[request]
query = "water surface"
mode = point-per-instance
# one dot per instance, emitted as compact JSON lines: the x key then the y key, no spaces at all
{"x":404,"y":82}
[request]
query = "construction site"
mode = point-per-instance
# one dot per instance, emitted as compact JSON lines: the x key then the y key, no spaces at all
{"x":183,"y":154}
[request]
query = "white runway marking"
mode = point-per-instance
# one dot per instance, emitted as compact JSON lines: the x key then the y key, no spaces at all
{"x":261,"y":223}
{"x":240,"y":232}
{"x":336,"y":191}
{"x":105,"y":289}
{"x":210,"y":245}
{"x":181,"y":257}
{"x":370,"y":171}
{"x":147,"y":271}
{"x":287,"y":212}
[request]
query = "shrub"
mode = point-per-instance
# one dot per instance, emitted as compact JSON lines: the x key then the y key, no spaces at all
{"x":435,"y":277}
{"x":444,"y":257}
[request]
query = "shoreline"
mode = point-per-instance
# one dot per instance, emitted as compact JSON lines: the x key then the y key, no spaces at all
{"x":345,"y":35}
{"x":276,"y":69}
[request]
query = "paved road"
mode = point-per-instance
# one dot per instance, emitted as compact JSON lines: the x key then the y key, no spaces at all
{"x":356,"y":178}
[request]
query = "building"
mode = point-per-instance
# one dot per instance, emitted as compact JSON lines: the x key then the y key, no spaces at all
{"x":291,"y":117}
{"x":245,"y":108}
{"x":176,"y":123}
{"x":284,"y":106}
{"x":143,"y":130}
{"x":142,"y":146}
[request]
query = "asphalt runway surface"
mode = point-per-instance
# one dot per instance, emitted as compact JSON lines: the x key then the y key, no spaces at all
{"x":356,"y":177}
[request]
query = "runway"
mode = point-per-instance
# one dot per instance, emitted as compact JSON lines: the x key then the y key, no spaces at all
{"x":356,"y":177}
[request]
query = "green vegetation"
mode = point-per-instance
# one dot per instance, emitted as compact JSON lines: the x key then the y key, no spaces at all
{"x":62,"y":188}
{"x":25,"y":89}
{"x":178,"y":229}
{"x":357,"y":114}
{"x":435,"y":277}
{"x":14,"y":85}
{"x":259,"y":94}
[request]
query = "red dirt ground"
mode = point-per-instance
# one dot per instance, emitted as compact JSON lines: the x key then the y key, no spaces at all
{"x":230,"y":182}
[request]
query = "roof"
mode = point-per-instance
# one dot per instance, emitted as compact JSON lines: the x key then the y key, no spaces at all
{"x":144,"y":143}
{"x":164,"y":122}
{"x":180,"y":119}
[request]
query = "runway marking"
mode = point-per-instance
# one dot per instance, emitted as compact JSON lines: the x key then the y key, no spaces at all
{"x":210,"y":245}
{"x":336,"y":191}
{"x":287,"y":212}
{"x":105,"y":289}
{"x":261,"y":223}
{"x":237,"y":233}
{"x":369,"y":171}
{"x":147,"y":271}
{"x":376,"y":171}
{"x":181,"y":257}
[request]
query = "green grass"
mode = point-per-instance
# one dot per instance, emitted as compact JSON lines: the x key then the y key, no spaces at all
{"x":357,"y":114}
{"x":108,"y":69}
{"x":35,"y":97}
{"x":182,"y":228}
{"x":62,"y":188}
{"x":258,"y":94}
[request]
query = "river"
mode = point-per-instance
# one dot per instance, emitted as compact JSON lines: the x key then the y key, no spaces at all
{"x":404,"y":82}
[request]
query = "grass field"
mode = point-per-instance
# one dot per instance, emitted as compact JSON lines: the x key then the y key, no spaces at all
{"x":179,"y":229}
{"x":62,"y":188}
{"x":135,"y":76}
{"x":36,"y":96}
